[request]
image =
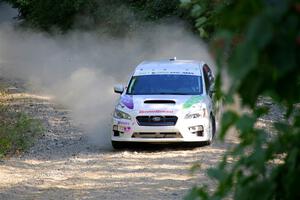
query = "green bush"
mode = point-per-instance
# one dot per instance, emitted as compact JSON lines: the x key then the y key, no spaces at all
{"x":155,"y":9}
{"x":259,"y":44}
{"x":17,"y":131}
{"x":115,"y":16}
{"x":46,"y":14}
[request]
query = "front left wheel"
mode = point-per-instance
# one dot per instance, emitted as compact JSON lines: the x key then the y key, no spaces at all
{"x":117,"y":145}
{"x":212,"y":130}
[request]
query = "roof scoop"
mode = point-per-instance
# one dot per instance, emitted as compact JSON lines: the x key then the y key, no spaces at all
{"x":159,"y":102}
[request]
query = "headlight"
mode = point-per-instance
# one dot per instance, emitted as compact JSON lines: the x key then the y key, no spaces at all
{"x":121,"y":115}
{"x":198,"y":114}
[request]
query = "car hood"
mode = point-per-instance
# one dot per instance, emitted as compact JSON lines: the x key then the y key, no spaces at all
{"x":159,"y":104}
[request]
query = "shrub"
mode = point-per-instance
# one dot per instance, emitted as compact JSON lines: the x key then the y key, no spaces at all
{"x":258,"y":42}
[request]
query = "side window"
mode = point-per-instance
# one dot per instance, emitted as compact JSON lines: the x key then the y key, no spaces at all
{"x":208,"y":77}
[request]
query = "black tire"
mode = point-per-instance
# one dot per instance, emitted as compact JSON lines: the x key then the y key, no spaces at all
{"x":212,"y":129}
{"x":214,"y":126}
{"x":197,"y":144}
{"x":117,"y":145}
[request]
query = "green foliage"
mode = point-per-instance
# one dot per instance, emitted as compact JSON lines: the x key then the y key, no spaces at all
{"x":115,"y":16}
{"x":206,"y":15}
{"x":46,"y":14}
{"x":155,"y":9}
{"x":17,"y":131}
{"x":259,"y":42}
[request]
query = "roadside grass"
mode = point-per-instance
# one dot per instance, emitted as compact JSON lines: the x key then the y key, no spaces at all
{"x":18,"y":131}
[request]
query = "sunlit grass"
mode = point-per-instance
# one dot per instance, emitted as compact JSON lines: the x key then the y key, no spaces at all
{"x":17,"y":130}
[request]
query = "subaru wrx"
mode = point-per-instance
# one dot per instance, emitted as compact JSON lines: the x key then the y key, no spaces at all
{"x":165,"y":101}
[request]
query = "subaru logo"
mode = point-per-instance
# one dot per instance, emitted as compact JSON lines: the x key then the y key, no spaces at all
{"x":156,"y":119}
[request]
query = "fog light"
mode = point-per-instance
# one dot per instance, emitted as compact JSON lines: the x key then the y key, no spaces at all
{"x":116,"y":133}
{"x":196,"y":128}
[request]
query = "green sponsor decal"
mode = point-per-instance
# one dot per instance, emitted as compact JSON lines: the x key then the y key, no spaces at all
{"x":192,"y":101}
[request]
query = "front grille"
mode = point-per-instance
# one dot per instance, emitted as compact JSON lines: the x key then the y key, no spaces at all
{"x":159,"y":102}
{"x":156,"y":120}
{"x":157,"y":135}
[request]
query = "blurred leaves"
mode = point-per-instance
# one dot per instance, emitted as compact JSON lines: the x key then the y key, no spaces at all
{"x":229,"y":118}
{"x":257,"y":42}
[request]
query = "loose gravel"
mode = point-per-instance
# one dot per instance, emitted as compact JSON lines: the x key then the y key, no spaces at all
{"x":64,"y":165}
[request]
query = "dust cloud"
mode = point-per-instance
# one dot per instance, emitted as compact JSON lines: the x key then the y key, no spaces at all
{"x":80,"y":68}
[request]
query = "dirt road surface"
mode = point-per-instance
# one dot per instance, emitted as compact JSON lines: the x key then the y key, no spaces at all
{"x":64,"y":165}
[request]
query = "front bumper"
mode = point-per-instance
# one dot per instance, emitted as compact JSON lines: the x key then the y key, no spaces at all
{"x":185,"y":130}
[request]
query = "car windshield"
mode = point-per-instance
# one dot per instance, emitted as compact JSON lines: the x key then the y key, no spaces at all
{"x":165,"y":84}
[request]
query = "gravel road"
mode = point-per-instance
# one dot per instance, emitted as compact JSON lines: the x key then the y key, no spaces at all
{"x":63,"y":165}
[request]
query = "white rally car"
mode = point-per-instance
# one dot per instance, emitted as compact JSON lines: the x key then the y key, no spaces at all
{"x":165,"y":101}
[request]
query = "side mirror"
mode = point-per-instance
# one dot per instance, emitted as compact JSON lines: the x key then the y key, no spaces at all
{"x":119,"y":89}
